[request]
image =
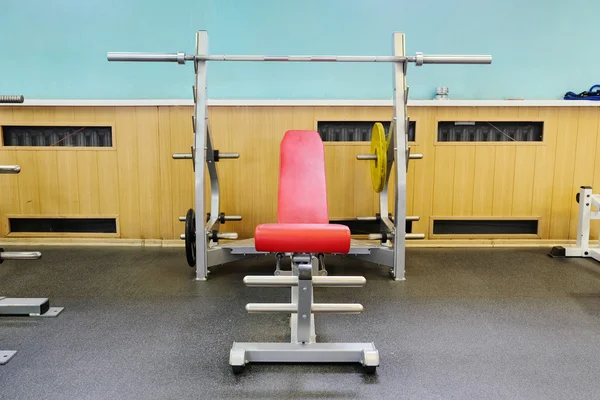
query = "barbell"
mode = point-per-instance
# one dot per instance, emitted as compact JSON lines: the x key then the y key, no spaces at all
{"x":181,"y":57}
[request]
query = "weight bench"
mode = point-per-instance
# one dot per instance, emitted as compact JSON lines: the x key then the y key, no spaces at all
{"x":303,"y":232}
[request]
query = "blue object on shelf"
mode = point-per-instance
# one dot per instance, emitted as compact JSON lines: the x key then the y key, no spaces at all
{"x":588,"y":95}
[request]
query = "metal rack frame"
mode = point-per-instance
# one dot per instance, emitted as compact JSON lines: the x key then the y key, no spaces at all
{"x":389,"y":252}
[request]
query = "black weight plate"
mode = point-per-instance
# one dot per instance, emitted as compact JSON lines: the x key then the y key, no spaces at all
{"x":190,"y":237}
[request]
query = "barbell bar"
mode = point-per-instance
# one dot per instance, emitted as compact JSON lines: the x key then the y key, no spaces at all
{"x":9,"y":169}
{"x":19,"y":255}
{"x":225,"y":218}
{"x":370,"y":218}
{"x":181,"y":58}
{"x":323,"y":308}
{"x":221,"y":235}
{"x":373,"y":157}
{"x":408,"y":236}
{"x":188,"y":156}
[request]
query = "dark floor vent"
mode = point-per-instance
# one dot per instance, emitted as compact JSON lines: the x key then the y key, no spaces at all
{"x":358,"y":131}
{"x":57,"y":136}
{"x":485,"y":227}
{"x":63,"y":225}
{"x":490,"y":131}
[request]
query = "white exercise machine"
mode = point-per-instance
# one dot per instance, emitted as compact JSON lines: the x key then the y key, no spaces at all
{"x":589,"y":210}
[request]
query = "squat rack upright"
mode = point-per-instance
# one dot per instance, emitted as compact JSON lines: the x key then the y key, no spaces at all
{"x":391,"y":250}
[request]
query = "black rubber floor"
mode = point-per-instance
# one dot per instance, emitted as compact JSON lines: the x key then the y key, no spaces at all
{"x":466,"y":324}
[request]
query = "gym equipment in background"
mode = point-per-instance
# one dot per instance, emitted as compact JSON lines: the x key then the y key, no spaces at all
{"x":391,"y":249}
{"x":587,"y":203}
{"x":32,"y":307}
{"x":303,"y":231}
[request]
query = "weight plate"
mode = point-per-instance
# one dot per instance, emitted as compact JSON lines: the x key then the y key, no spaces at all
{"x":190,"y":237}
{"x":379,"y":146}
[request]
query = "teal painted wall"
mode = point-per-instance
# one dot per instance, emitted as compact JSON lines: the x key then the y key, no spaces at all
{"x":57,"y":49}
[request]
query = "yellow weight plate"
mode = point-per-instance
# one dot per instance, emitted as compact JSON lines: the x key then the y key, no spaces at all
{"x":379,"y":148}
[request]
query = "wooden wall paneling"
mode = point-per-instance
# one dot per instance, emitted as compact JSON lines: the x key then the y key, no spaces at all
{"x":272,"y":123}
{"x":303,"y":118}
{"x":107,"y":166}
{"x":445,"y":157}
{"x":544,"y":171}
{"x":522,"y":201}
{"x":88,"y":186}
{"x":167,"y":217}
{"x":345,"y":183}
{"x":365,"y":200}
{"x":150,"y":200}
{"x":69,"y":114}
{"x":564,"y":163}
{"x":585,"y":160}
{"x":47,"y":166}
{"x":522,"y":196}
{"x":126,"y":128}
{"x":67,"y":165}
{"x":504,"y":170}
{"x":227,"y":134}
{"x":464,"y":170}
{"x":182,"y":174}
{"x":28,"y":179}
{"x":9,"y":183}
{"x":485,"y":161}
{"x":595,"y":226}
{"x":424,"y":170}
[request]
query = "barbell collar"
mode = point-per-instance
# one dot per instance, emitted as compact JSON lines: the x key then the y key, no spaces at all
{"x":419,"y":59}
{"x":182,"y":156}
{"x":9,"y":169}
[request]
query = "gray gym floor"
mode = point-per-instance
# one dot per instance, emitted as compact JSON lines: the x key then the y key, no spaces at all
{"x":467,"y":324}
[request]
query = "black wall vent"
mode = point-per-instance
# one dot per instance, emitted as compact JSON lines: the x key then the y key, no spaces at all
{"x":485,"y":227}
{"x":483,"y":131}
{"x":59,"y":136}
{"x":63,"y":225}
{"x":359,"y":131}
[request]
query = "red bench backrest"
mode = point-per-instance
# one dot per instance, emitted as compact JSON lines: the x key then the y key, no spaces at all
{"x":302,"y":189}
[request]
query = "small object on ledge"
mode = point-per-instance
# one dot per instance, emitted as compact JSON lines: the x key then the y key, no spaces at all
{"x":441,"y":93}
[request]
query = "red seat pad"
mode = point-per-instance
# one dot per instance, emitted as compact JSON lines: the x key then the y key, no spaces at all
{"x":302,"y":238}
{"x":302,"y":190}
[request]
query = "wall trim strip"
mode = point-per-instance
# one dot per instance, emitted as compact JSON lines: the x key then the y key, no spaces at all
{"x":307,"y":103}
